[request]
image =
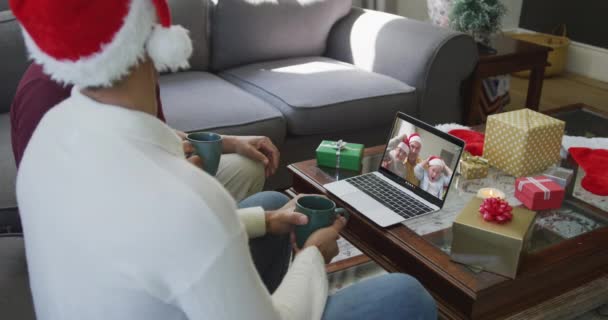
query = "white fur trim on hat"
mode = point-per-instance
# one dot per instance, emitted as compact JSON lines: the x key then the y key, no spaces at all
{"x":436,"y":162}
{"x":115,"y":59}
{"x":169,"y":48}
{"x":415,"y":138}
{"x":403,"y":146}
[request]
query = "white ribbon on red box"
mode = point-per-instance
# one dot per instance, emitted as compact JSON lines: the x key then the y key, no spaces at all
{"x":538,"y":183}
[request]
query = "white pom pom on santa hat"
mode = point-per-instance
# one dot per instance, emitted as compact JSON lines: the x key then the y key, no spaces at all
{"x":435,"y":161}
{"x":169,"y":48}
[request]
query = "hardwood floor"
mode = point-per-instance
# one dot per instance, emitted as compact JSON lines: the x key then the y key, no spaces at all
{"x":560,"y":91}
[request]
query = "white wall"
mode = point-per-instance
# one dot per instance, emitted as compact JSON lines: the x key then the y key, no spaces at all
{"x":417,"y":9}
{"x":511,"y":20}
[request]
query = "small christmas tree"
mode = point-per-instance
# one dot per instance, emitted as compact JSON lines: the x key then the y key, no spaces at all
{"x":480,"y":18}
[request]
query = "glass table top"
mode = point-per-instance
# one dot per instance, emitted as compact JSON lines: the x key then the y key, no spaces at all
{"x":550,"y":227}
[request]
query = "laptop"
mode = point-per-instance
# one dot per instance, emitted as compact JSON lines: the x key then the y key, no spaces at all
{"x":391,"y":194}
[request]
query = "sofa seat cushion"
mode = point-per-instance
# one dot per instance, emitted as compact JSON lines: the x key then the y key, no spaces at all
{"x":8,"y":171}
{"x":194,"y":101}
{"x":320,"y":95}
{"x":15,"y":297}
{"x":247,"y":31}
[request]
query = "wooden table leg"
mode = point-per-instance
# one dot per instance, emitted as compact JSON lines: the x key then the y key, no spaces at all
{"x":535,"y":87}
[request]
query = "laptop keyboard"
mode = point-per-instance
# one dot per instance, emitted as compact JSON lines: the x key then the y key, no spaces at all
{"x":390,"y":196}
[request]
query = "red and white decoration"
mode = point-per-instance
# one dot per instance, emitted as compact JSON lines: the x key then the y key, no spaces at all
{"x":404,"y":145}
{"x":593,"y":161}
{"x":539,"y":193}
{"x":436,"y":161}
{"x":94,"y":43}
{"x":414,"y":137}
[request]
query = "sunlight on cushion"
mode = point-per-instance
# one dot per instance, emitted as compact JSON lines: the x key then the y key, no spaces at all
{"x":312,"y":67}
{"x":365,"y":32}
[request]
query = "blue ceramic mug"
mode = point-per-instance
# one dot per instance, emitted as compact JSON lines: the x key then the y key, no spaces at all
{"x":321,"y":213}
{"x":208,"y":146}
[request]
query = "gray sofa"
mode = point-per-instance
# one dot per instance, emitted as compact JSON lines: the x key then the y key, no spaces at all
{"x":258,"y":71}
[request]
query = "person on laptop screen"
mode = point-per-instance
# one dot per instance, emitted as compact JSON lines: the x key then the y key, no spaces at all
{"x":435,"y":178}
{"x":395,"y":159}
{"x":405,"y":167}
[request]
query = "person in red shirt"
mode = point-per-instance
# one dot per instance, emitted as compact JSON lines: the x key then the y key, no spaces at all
{"x":243,"y":167}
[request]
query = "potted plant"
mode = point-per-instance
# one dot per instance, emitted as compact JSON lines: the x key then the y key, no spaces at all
{"x":479,"y":18}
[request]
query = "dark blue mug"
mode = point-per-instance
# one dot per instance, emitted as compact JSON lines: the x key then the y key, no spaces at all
{"x":208,"y":146}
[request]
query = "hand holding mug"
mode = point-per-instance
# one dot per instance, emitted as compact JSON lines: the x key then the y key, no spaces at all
{"x":208,"y":146}
{"x":325,"y":239}
{"x":321,"y":213}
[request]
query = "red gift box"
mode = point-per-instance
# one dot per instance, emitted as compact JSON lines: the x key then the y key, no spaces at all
{"x":539,"y":193}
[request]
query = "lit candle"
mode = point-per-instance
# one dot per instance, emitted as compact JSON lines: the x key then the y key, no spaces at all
{"x":485,"y":193}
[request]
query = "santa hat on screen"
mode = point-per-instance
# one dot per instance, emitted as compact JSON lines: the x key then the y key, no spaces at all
{"x":404,"y":145}
{"x":94,"y":43}
{"x":414,"y":137}
{"x":435,"y":161}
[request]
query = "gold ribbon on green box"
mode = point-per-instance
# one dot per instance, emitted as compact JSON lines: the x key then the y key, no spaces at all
{"x":473,"y":167}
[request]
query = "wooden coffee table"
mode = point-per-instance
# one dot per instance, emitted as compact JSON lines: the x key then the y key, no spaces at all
{"x":568,"y":250}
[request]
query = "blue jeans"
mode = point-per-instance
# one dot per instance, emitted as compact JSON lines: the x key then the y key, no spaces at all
{"x":386,"y":297}
{"x":270,"y":253}
{"x":391,"y":296}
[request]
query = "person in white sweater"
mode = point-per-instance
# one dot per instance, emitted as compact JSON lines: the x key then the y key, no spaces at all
{"x":181,"y":249}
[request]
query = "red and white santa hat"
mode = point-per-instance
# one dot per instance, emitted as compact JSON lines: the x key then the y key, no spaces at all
{"x":94,"y":43}
{"x":404,"y":145}
{"x":436,"y":161}
{"x":414,"y":137}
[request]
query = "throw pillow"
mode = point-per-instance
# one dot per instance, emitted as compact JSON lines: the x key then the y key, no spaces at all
{"x":246,"y":31}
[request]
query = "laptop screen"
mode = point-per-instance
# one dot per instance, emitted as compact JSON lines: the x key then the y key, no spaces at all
{"x":421,"y":158}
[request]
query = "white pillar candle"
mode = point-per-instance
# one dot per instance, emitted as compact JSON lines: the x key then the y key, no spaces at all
{"x":485,"y":193}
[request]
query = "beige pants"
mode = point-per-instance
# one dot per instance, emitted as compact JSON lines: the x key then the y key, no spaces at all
{"x":241,"y":176}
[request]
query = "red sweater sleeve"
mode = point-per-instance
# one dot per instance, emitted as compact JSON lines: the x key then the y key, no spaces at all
{"x":31,"y":103}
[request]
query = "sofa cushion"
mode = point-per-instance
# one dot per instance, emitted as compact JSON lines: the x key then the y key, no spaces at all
{"x":319,"y":95}
{"x":15,"y":297}
{"x":14,"y":58}
{"x":8,"y":169}
{"x":193,"y":15}
{"x":195,"y":101}
{"x":246,"y":31}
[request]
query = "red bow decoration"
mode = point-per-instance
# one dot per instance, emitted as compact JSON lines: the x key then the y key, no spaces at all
{"x":496,"y":210}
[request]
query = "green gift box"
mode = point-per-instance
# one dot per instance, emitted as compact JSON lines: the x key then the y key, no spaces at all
{"x":339,"y":154}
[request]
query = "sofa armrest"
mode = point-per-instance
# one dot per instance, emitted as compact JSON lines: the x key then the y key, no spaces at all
{"x":434,"y":60}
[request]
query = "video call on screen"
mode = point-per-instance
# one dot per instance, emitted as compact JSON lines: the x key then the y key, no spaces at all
{"x":408,"y":149}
